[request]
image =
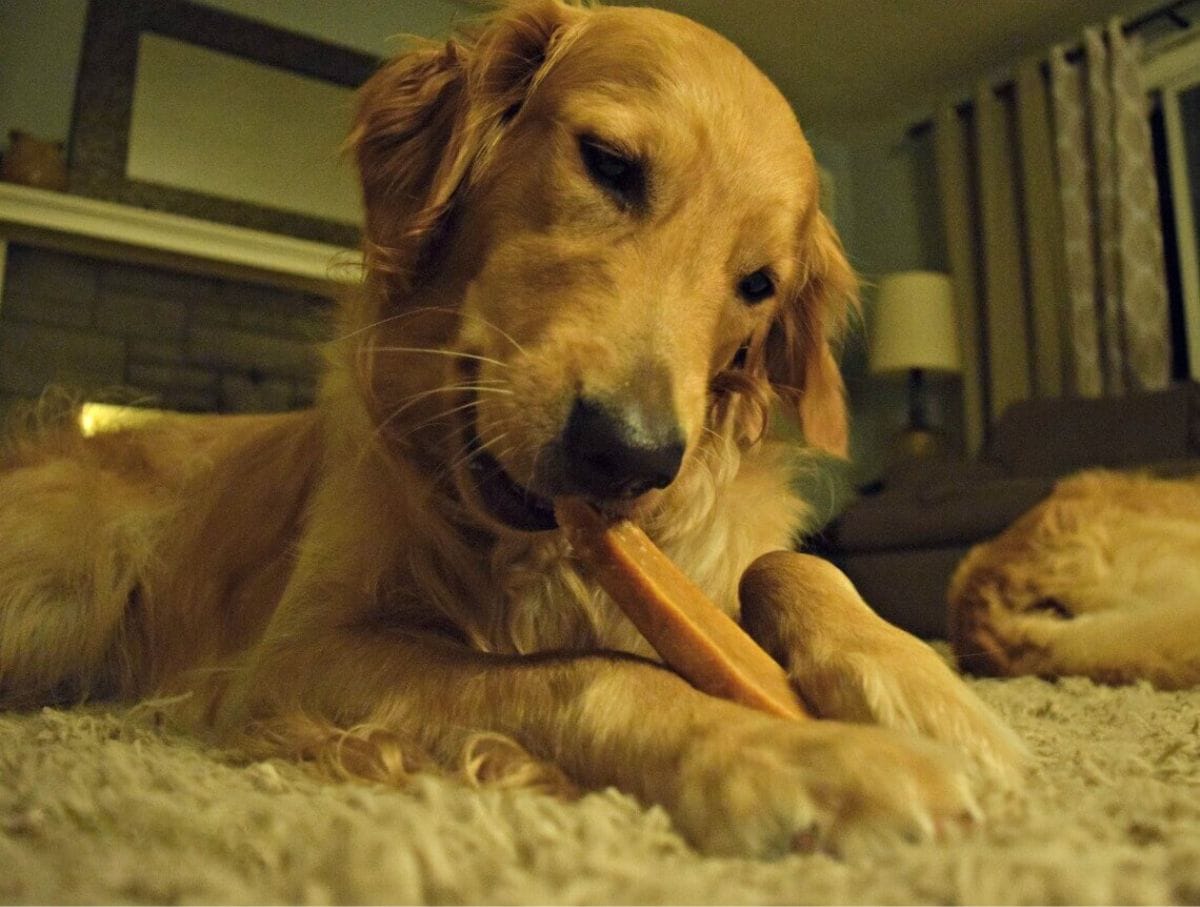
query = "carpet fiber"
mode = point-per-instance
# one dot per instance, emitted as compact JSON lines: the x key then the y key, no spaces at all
{"x":104,"y":806}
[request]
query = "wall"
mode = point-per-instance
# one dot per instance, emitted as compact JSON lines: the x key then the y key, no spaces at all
{"x":39,"y":58}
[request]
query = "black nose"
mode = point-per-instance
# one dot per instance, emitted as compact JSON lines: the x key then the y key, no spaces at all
{"x":615,"y":452}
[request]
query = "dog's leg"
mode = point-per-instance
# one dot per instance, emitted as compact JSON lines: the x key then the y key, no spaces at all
{"x":850,"y":664}
{"x":1123,"y":641}
{"x":735,"y":780}
{"x":75,"y":541}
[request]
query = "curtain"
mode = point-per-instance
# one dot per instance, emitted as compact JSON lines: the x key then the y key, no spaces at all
{"x":1050,"y":210}
{"x":1118,"y":298}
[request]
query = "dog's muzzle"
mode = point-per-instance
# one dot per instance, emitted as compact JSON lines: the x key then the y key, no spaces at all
{"x":606,"y":454}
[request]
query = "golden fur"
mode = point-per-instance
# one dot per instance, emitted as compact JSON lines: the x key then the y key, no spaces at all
{"x":1101,"y":579}
{"x":330,"y":586}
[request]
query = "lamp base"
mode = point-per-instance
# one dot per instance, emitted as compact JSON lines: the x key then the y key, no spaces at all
{"x":912,"y":445}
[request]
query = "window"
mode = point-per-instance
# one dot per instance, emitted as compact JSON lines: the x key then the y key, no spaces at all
{"x":1173,"y":77}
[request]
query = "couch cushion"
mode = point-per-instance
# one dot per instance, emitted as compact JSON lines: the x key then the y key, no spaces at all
{"x":1054,"y":437}
{"x":958,"y":511}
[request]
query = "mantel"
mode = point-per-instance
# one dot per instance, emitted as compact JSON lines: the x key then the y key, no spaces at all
{"x":87,"y":226}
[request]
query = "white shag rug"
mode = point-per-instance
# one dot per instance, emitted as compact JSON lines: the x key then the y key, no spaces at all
{"x":103,"y":806}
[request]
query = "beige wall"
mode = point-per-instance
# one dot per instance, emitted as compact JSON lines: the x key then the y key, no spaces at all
{"x":40,"y":42}
{"x":39,"y":58}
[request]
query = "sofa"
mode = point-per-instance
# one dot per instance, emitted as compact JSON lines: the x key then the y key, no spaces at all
{"x":901,"y":541}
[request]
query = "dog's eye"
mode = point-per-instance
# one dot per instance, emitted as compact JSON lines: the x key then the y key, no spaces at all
{"x":757,"y":286}
{"x":615,"y":172}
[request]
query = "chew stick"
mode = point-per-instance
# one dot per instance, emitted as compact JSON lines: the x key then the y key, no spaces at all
{"x":699,"y":641}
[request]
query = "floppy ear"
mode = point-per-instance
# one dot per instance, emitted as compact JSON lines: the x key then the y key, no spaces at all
{"x":425,"y":119}
{"x":800,"y":359}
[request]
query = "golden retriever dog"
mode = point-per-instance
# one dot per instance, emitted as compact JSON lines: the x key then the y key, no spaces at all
{"x":595,"y":262}
{"x":1102,"y":579}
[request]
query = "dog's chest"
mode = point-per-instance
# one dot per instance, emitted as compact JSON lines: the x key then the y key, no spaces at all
{"x":549,"y":603}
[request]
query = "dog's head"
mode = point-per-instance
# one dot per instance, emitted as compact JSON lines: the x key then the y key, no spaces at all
{"x":608,"y":219}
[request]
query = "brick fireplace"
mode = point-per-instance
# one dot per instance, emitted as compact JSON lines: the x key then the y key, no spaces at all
{"x":171,"y":339}
{"x":127,"y":305}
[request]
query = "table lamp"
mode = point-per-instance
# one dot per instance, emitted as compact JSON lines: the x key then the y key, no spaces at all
{"x":915,"y":332}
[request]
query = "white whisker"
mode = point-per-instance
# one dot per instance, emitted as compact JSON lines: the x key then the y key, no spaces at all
{"x":413,"y":400}
{"x":425,"y":310}
{"x":382,"y":321}
{"x":473,"y":450}
{"x":499,"y":330}
{"x":476,"y":446}
{"x":439,"y":417}
{"x":436,"y":351}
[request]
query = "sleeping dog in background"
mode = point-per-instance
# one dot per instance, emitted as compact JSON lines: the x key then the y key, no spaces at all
{"x":1101,"y":579}
{"x":595,"y":263}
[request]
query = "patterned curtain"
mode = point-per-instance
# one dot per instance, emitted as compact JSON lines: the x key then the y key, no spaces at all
{"x":1117,"y":291}
{"x":1050,"y":210}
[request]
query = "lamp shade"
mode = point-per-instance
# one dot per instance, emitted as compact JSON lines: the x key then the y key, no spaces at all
{"x":915,"y":324}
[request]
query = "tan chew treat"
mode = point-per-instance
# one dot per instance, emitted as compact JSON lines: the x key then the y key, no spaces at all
{"x":700,"y":642}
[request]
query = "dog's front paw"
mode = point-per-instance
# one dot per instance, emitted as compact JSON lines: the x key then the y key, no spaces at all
{"x":850,"y":665}
{"x":763,"y":787}
{"x":900,"y":682}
